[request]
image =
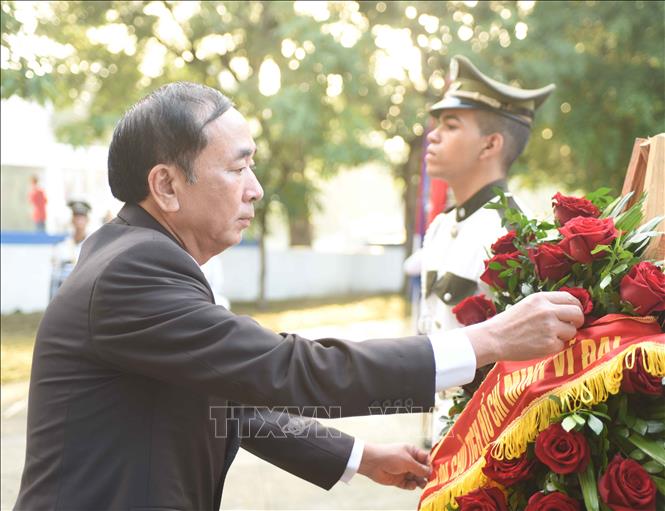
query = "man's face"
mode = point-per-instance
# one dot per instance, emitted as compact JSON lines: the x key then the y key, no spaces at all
{"x":220,"y":204}
{"x":454,"y":145}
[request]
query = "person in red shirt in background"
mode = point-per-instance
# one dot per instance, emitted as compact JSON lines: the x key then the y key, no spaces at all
{"x":37,"y":199}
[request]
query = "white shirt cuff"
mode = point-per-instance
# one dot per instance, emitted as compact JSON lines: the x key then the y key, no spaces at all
{"x":454,"y":358}
{"x":353,"y":464}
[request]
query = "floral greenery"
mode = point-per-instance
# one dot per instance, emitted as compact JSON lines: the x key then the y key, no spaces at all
{"x":593,"y":249}
{"x":601,"y":277}
{"x":632,"y":425}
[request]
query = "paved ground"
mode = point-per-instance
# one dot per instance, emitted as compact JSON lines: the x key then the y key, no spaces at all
{"x":251,"y":482}
{"x":14,"y":401}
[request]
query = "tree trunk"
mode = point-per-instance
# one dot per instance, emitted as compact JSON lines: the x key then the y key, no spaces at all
{"x":409,"y":172}
{"x":300,"y":231}
{"x":262,"y":216}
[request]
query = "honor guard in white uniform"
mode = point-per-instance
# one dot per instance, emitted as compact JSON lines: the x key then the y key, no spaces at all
{"x":454,"y":250}
{"x":483,"y":127}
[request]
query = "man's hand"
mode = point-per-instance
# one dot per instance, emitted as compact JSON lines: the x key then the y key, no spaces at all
{"x":536,"y":327}
{"x":401,"y":465}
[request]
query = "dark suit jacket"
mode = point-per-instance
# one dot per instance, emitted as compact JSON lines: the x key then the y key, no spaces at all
{"x":135,"y":367}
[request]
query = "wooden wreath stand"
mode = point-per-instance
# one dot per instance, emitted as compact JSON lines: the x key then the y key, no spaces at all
{"x":646,"y":172}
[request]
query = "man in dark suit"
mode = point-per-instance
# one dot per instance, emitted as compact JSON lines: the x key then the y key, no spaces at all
{"x":136,"y":371}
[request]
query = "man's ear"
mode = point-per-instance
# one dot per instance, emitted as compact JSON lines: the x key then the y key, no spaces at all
{"x":162,"y":182}
{"x":493,"y":146}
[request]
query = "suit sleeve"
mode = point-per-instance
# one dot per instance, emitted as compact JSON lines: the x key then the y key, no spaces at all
{"x":300,"y":445}
{"x":151,"y":314}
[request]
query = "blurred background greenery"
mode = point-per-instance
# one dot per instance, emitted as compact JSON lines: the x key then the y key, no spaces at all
{"x":330,"y":85}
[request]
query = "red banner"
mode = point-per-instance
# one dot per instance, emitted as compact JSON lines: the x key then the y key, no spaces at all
{"x":513,"y":403}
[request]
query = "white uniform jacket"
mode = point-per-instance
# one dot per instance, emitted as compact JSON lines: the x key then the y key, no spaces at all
{"x":454,"y":250}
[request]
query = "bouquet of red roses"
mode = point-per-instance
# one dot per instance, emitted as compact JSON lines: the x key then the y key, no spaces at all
{"x":593,"y":253}
{"x":596,"y":439}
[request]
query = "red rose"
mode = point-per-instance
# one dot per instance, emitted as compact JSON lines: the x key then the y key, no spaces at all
{"x":505,"y":244}
{"x":474,"y":309}
{"x":638,"y":380}
{"x":490,"y":276}
{"x":564,"y":452}
{"x":625,"y":486}
{"x":550,"y":261}
{"x":483,"y":499}
{"x":566,"y":208}
{"x":555,"y":501}
{"x":582,"y":295}
{"x":644,"y":288}
{"x":581,"y":235}
{"x":507,"y":472}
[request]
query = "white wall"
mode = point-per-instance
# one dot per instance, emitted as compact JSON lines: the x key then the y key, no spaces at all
{"x":25,"y":273}
{"x":292,"y":273}
{"x":306,"y":273}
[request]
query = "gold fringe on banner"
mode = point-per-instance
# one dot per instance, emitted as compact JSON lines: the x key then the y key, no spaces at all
{"x":591,"y":388}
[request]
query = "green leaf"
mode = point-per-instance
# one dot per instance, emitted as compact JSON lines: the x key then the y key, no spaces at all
{"x":568,"y":424}
{"x":630,"y":420}
{"x":651,"y":224}
{"x":660,"y":484}
{"x":630,"y":219}
{"x":605,"y":282}
{"x":655,"y":426}
{"x":561,"y":282}
{"x":639,"y":237}
{"x":655,"y":412}
{"x":601,"y":408}
{"x":512,"y":282}
{"x":640,"y":426}
{"x":613,"y":210}
{"x":601,"y":411}
{"x":495,"y":266}
{"x":637,"y":454}
{"x":513,"y":264}
{"x":619,"y":269}
{"x":579,"y":419}
{"x":589,"y":489}
{"x":623,"y":432}
{"x":653,"y":467}
{"x":600,"y":248}
{"x":652,"y":448}
{"x":626,"y":255}
{"x":599,"y":196}
{"x":595,"y":424}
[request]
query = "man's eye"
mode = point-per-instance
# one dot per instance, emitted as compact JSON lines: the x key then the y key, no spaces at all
{"x":241,"y":169}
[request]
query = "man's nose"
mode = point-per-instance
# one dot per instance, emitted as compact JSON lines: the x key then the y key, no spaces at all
{"x":433,"y":136}
{"x":253,"y":190}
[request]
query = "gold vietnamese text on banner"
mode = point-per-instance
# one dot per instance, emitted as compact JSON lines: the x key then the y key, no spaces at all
{"x":513,"y":403}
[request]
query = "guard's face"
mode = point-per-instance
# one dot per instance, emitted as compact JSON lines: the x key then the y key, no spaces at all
{"x":219,"y":206}
{"x":80,"y":222}
{"x":454,"y":145}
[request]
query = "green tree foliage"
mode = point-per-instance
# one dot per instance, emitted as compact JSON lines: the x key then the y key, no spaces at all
{"x":354,"y":74}
{"x":606,"y":58}
{"x":308,"y":130}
